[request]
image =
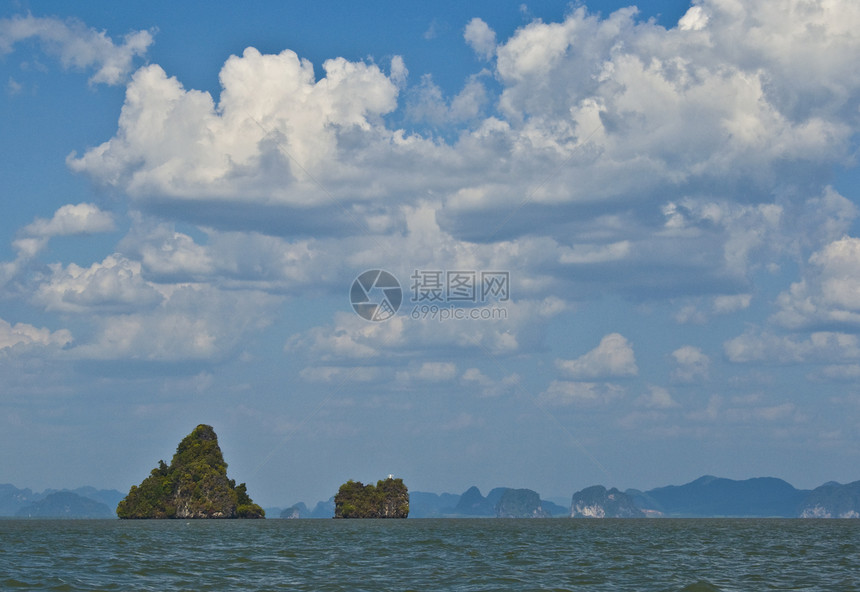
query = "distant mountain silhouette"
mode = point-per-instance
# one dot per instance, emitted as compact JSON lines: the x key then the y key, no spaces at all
{"x":431,"y":505}
{"x":65,"y":504}
{"x":12,"y":499}
{"x":714,"y":496}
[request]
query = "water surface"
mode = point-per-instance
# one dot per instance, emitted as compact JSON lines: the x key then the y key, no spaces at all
{"x":464,"y":555}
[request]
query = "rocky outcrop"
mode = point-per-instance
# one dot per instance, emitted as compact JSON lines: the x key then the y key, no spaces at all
{"x":832,"y":500}
{"x":194,"y":485}
{"x":295,"y":512}
{"x":598,"y":502}
{"x":388,"y":499}
{"x":472,"y":503}
{"x":520,"y":503}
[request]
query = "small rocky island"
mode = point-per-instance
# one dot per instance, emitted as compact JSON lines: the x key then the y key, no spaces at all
{"x":388,"y":499}
{"x":598,"y":502}
{"x":194,"y":485}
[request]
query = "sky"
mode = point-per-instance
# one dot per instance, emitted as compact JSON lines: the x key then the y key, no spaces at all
{"x":620,"y":246}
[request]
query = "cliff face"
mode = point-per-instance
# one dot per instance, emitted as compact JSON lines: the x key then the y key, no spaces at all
{"x":598,"y":502}
{"x":194,"y":485}
{"x":388,"y":499}
{"x":520,"y":503}
{"x":832,"y":500}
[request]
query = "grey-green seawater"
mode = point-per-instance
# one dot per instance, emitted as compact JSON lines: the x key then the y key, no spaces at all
{"x":465,"y":555}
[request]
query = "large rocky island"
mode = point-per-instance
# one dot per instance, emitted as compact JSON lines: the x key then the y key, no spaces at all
{"x":194,"y":485}
{"x":388,"y":499}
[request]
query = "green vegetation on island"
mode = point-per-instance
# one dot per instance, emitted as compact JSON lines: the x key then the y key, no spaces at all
{"x":388,"y":499}
{"x":194,"y":485}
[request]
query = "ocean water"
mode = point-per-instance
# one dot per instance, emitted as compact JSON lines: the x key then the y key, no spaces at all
{"x":466,"y":555}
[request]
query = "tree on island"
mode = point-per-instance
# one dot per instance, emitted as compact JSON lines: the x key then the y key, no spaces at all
{"x":388,"y":499}
{"x":194,"y":485}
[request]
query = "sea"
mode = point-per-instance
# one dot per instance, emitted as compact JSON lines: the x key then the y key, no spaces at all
{"x":690,"y":555}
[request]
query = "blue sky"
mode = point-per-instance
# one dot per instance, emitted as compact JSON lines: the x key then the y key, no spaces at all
{"x":190,"y":191}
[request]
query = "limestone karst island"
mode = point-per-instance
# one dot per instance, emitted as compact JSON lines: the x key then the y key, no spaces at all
{"x":194,"y":485}
{"x":388,"y":499}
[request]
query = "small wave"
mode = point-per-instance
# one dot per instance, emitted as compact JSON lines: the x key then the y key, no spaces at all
{"x":700,"y":586}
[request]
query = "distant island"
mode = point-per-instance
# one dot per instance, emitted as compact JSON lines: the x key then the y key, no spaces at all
{"x":65,"y":504}
{"x":714,"y":497}
{"x":598,"y":502}
{"x":194,"y":485}
{"x":705,"y":497}
{"x":388,"y":499}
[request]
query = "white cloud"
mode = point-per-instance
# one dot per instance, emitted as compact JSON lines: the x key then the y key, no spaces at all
{"x":481,"y":38}
{"x":77,"y":45}
{"x":731,"y":303}
{"x":22,"y":334}
{"x":691,"y":364}
{"x":565,"y":392}
{"x":612,"y":357}
{"x":763,"y":346}
{"x":83,"y":218}
{"x":194,"y":323}
{"x":426,"y":103}
{"x":274,"y":126}
{"x":623,"y":142}
{"x":629,"y":137}
{"x":829,"y":293}
{"x":113,"y":286}
{"x":695,"y":19}
{"x":13,"y":87}
{"x":656,"y":398}
{"x":473,"y":378}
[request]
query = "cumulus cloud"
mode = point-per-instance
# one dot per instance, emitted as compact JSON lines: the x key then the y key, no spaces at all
{"x":113,"y":286}
{"x":22,"y":334}
{"x":695,"y":19}
{"x":426,"y":103}
{"x":829,"y":294}
{"x":83,"y":218}
{"x":690,"y":364}
{"x":612,"y":357}
{"x":657,"y":398}
{"x":195,"y":323}
{"x":625,"y":143}
{"x":77,"y":46}
{"x":272,"y":136}
{"x":481,"y":38}
{"x":611,"y":162}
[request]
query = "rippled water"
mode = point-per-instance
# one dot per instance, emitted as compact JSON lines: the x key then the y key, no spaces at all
{"x":466,"y":555}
